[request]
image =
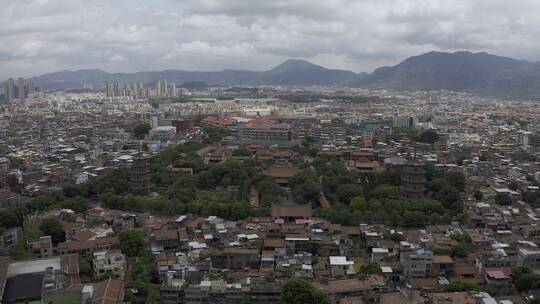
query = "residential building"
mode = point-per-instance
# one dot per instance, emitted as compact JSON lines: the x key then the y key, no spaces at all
{"x":416,"y":263}
{"x":109,"y":264}
{"x":41,"y":248}
{"x":162,"y":133}
{"x":529,"y":258}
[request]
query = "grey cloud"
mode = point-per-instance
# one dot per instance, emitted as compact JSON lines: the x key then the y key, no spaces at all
{"x":38,"y":36}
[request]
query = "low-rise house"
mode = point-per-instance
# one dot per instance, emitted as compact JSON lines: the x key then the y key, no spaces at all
{"x":442,"y":265}
{"x":369,"y":288}
{"x":498,"y":280}
{"x":340,"y":266}
{"x":235,"y":258}
{"x":41,"y":248}
{"x":165,"y":240}
{"x":88,"y":247}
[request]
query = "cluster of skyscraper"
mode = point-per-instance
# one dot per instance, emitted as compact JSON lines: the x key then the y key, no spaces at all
{"x":163,"y":88}
{"x":134,"y":89}
{"x":18,"y":89}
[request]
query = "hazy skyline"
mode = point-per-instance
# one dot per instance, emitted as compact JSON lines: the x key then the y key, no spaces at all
{"x":43,"y":36}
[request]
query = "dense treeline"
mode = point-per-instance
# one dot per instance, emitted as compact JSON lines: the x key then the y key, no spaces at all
{"x":223,"y":189}
{"x":374,"y":198}
{"x":220,"y":189}
{"x":14,"y":217}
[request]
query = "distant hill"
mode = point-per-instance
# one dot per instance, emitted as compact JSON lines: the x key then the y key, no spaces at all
{"x":76,"y":79}
{"x":194,"y":85}
{"x":480,"y":73}
{"x":290,"y":73}
{"x":301,"y":72}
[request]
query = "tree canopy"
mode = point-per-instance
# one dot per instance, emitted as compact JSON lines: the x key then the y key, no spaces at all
{"x":141,"y":130}
{"x":298,"y":291}
{"x":54,"y":228}
{"x":132,"y":242}
{"x":428,"y":136}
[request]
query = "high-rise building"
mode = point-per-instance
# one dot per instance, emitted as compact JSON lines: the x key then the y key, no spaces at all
{"x":161,"y":88}
{"x":523,"y":139}
{"x":134,"y":89}
{"x":9,"y":90}
{"x":21,"y":89}
{"x":109,"y":92}
{"x":30,"y":87}
{"x":172,"y":92}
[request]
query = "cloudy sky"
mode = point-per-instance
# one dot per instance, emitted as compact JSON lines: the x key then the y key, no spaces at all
{"x":39,"y":36}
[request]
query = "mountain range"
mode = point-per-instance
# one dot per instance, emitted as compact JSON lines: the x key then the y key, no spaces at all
{"x":480,"y":73}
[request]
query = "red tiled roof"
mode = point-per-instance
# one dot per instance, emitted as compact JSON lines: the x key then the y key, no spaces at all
{"x":109,"y":292}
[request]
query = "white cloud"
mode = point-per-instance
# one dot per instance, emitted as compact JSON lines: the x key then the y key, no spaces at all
{"x":38,"y":36}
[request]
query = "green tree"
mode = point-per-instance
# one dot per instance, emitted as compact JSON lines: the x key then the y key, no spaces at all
{"x":239,"y":211}
{"x":85,"y":270}
{"x":457,"y":179}
{"x":13,"y":184}
{"x":429,"y":136}
{"x":298,"y":291}
{"x":462,"y":249}
{"x":524,"y":279}
{"x":450,"y":197}
{"x":513,"y":186}
{"x":478,"y":195}
{"x":345,"y":192}
{"x":77,"y":204}
{"x":306,"y":192}
{"x":242,"y":152}
{"x":141,"y":130}
{"x":145,"y":275}
{"x":385,"y":192}
{"x":20,"y":252}
{"x":371,"y":268}
{"x":358,"y":203}
{"x":54,"y":228}
{"x":131,"y":242}
{"x":503,"y":199}
{"x":438,"y":184}
{"x":462,"y":286}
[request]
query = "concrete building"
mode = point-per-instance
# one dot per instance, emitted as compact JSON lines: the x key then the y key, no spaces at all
{"x":41,"y":248}
{"x":399,"y":121}
{"x":529,"y":258}
{"x":9,"y":90}
{"x":265,"y":130}
{"x":416,"y":263}
{"x":10,"y":238}
{"x":161,"y":88}
{"x":523,"y":139}
{"x":163,"y":133}
{"x":29,"y":281}
{"x":235,"y":258}
{"x":5,"y":165}
{"x":110,"y":264}
{"x":21,"y":89}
